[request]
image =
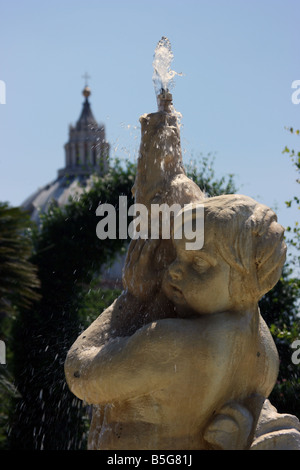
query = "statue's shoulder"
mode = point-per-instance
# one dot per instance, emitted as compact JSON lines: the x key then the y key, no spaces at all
{"x":231,"y":323}
{"x":212,"y":343}
{"x":207,"y":328}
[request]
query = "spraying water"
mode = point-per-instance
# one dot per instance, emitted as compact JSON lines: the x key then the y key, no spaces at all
{"x":163,"y":75}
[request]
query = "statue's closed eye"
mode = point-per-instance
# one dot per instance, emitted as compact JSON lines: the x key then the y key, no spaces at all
{"x":200,"y":264}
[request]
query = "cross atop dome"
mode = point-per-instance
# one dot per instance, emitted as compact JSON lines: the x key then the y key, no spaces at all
{"x":86,"y":77}
{"x":86,"y":91}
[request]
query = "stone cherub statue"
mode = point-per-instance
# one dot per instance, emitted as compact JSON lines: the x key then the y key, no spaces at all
{"x":183,"y":359}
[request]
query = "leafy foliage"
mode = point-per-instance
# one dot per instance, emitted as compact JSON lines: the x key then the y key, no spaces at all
{"x":293,"y":237}
{"x":202,"y":172}
{"x":18,"y":277}
{"x":19,"y":286}
{"x":280,"y":308}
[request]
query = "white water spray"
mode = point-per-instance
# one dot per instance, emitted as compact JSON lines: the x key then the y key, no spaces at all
{"x":163,"y":75}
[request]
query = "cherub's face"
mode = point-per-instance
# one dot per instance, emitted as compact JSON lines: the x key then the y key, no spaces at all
{"x":198,"y":280}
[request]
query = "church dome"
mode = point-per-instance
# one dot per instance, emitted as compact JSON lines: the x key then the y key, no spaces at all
{"x":86,"y":154}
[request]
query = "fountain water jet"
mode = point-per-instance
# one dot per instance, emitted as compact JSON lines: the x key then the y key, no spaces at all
{"x":163,"y":75}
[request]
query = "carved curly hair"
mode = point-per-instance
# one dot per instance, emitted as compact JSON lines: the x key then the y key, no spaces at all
{"x":248,"y":238}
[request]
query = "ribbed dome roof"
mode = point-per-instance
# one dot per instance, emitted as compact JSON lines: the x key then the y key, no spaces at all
{"x":58,"y":192}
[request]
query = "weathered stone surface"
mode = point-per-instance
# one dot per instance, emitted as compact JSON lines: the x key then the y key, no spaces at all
{"x":276,"y":431}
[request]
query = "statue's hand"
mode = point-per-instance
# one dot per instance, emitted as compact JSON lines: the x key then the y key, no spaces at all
{"x":144,"y":267}
{"x":230,"y":428}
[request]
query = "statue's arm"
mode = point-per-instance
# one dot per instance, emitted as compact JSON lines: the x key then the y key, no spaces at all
{"x":127,"y":367}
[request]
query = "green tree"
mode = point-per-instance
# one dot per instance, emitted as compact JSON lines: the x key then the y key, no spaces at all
{"x":19,"y":286}
{"x":293,"y":233}
{"x":201,"y":170}
{"x":280,"y":308}
{"x":18,"y":276}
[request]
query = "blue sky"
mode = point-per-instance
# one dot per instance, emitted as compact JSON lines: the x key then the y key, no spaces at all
{"x":238,"y":59}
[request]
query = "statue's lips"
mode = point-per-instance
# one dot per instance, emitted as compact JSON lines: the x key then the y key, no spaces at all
{"x":175,"y":291}
{"x":170,"y":288}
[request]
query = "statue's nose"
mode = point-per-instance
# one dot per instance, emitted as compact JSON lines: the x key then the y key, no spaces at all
{"x":176,"y":272}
